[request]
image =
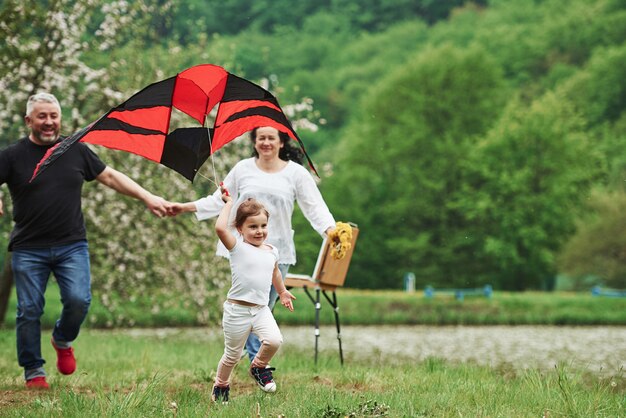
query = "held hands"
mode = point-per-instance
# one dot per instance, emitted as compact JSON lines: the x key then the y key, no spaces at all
{"x":286,"y":299}
{"x":157,"y":205}
{"x":161,"y":207}
{"x":175,"y":208}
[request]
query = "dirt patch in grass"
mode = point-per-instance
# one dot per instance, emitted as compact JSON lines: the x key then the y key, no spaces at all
{"x":16,"y":398}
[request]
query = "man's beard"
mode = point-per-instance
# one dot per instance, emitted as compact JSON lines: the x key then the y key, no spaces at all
{"x":47,"y":138}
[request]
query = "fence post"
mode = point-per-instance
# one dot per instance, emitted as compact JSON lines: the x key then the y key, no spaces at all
{"x":409,"y":282}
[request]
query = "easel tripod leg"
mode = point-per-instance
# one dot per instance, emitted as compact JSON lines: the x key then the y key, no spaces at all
{"x":318,"y":307}
{"x":333,"y":303}
{"x":336,"y":309}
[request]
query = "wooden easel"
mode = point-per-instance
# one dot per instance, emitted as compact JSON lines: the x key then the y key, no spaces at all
{"x":328,"y":275}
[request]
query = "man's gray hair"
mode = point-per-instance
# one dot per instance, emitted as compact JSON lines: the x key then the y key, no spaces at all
{"x":39,"y":98}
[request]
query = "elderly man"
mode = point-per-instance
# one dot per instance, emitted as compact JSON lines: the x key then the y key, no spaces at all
{"x":49,"y":234}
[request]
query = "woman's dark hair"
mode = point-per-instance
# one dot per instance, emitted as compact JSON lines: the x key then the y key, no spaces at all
{"x":286,"y":153}
{"x":249,"y":207}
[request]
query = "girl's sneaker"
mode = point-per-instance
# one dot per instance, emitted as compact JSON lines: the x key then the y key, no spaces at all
{"x":264,"y":378}
{"x":220,"y":394}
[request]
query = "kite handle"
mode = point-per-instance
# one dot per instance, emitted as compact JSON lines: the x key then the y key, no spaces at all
{"x":223,"y":189}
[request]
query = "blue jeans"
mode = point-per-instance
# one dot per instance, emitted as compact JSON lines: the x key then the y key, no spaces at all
{"x":31,"y":271}
{"x":253,"y":344}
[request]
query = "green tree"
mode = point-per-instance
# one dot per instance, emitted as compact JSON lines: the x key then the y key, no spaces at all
{"x":599,"y":89}
{"x":398,"y":172}
{"x":598,"y":248}
{"x":533,"y":171}
{"x":192,"y":18}
{"x":132,"y":253}
{"x":573,"y":32}
{"x":612,"y":145}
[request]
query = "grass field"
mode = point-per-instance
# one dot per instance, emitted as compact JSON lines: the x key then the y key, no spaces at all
{"x":363,"y":307}
{"x":134,"y":373}
{"x":366,"y":307}
{"x":126,"y":373}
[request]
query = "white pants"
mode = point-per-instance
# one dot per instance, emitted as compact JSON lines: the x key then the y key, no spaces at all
{"x":238,"y":321}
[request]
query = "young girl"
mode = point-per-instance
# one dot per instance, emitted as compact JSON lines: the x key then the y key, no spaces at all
{"x":254,"y":268}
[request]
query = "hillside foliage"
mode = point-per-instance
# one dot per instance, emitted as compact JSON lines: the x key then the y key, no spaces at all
{"x":472,"y":142}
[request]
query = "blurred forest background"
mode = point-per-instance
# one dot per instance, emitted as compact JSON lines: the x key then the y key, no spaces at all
{"x":473,"y":142}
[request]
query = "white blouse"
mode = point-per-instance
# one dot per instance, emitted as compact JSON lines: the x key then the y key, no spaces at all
{"x":277,"y":192}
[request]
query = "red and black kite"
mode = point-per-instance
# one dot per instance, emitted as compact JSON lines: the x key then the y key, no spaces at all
{"x":141,"y":124}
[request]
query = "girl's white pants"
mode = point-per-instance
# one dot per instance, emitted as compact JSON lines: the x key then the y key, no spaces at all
{"x":237,"y":322}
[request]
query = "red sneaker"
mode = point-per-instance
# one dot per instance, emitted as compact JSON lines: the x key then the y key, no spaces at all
{"x":38,"y":382}
{"x":66,"y":362}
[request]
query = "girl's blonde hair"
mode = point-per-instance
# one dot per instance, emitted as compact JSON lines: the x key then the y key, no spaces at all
{"x":249,"y":207}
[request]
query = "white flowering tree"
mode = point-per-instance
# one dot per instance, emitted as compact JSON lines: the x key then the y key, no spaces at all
{"x":157,"y":264}
{"x":171,"y":260}
{"x":135,"y":257}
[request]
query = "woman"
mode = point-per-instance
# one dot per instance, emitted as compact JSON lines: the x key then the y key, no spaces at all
{"x":276,"y":178}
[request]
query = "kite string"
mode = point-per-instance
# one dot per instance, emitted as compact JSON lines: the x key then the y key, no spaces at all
{"x":211,"y":148}
{"x":205,"y":177}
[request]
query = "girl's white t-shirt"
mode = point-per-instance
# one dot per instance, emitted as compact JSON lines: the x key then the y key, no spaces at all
{"x":252,"y":269}
{"x":277,"y":192}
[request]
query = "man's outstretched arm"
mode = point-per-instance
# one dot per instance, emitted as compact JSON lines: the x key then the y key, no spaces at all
{"x":123,"y":184}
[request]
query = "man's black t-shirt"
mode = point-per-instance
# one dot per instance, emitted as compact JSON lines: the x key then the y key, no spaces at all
{"x":47,"y":212}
